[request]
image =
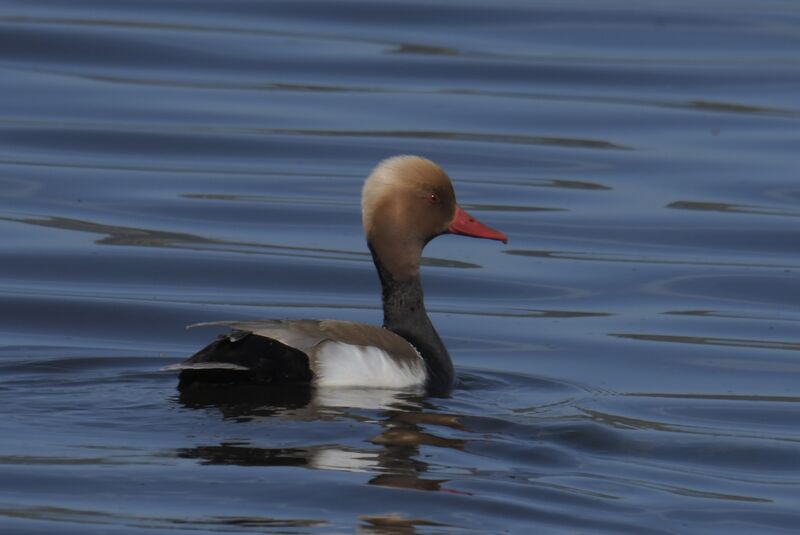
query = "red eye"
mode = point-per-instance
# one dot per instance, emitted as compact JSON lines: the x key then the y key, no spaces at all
{"x":433,"y":198}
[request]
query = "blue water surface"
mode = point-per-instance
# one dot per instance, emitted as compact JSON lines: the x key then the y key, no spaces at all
{"x":628,"y":363}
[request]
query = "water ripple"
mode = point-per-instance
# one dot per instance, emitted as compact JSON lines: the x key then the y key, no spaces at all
{"x":643,"y":161}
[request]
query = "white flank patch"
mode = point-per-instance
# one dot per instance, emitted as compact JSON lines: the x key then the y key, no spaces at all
{"x":340,"y":364}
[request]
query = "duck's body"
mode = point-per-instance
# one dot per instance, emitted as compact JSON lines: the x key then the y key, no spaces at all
{"x":323,"y":352}
{"x":406,"y":202}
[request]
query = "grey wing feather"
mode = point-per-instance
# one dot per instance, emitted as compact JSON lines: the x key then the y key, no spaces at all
{"x":300,"y":334}
{"x":203,"y":366}
{"x":306,"y":335}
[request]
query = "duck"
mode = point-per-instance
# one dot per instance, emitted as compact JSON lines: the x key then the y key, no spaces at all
{"x":406,"y":202}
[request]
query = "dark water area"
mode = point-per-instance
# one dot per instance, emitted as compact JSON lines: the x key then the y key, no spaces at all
{"x":628,"y":363}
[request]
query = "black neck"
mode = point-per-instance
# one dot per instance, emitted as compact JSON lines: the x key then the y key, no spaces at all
{"x":404,"y":314}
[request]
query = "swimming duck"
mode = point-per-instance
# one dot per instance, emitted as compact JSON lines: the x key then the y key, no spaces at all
{"x":406,"y":202}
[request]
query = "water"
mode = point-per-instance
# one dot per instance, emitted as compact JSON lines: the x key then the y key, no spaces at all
{"x":629,"y":362}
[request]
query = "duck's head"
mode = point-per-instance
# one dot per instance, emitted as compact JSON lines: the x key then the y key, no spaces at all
{"x":406,"y":202}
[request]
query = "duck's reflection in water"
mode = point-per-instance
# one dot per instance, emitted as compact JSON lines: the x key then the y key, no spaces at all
{"x":401,"y":414}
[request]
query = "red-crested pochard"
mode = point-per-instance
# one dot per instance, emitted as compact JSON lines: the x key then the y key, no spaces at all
{"x":406,"y":202}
